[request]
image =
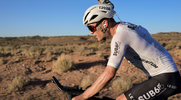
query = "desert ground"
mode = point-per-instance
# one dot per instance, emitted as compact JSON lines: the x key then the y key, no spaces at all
{"x":34,"y":60}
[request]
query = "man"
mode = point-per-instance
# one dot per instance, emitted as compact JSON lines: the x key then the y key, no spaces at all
{"x":135,"y":44}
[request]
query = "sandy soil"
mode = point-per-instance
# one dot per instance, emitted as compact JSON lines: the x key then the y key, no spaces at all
{"x":39,"y":77}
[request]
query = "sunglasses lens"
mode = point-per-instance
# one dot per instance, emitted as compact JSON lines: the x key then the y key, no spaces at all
{"x":91,"y":28}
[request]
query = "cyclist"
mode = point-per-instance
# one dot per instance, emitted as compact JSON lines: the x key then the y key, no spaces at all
{"x":134,"y":43}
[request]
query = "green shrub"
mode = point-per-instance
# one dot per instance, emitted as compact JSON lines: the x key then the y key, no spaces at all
{"x":63,"y":63}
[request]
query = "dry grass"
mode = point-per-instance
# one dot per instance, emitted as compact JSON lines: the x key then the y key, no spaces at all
{"x":99,"y":54}
{"x":121,"y":85}
{"x":1,"y":61}
{"x":64,"y":63}
{"x":16,"y":59}
{"x":169,"y":40}
{"x":86,"y":82}
{"x":94,"y":46}
{"x":176,"y":53}
{"x":170,"y":46}
{"x":179,"y":45}
{"x":104,"y":46}
{"x":48,"y":48}
{"x":81,"y":50}
{"x":17,"y":84}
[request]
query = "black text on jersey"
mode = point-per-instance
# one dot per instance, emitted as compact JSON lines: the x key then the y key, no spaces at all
{"x":116,"y":49}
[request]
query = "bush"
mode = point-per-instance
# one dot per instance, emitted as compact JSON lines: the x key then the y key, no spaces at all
{"x":104,"y":46}
{"x":176,"y":53}
{"x":86,"y":82}
{"x":17,"y":84}
{"x":179,"y":45}
{"x":121,"y":85}
{"x":17,"y":59}
{"x":170,"y":46}
{"x":63,"y":63}
{"x":1,"y":61}
{"x":81,"y":50}
{"x":94,"y":46}
{"x":99,"y":54}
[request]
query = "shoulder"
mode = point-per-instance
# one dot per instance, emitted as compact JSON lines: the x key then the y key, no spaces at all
{"x":122,"y":31}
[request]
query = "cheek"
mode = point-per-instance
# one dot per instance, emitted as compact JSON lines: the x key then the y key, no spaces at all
{"x":99,"y":34}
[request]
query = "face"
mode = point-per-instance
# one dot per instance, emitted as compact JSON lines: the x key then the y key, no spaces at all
{"x":95,"y":31}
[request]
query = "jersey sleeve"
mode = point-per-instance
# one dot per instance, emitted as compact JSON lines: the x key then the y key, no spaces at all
{"x":119,"y":44}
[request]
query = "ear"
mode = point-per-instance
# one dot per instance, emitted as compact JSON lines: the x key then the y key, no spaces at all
{"x":105,"y":23}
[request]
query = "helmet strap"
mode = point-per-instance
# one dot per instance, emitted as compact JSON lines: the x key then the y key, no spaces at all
{"x":104,"y":31}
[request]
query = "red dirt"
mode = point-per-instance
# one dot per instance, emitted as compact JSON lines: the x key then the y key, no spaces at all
{"x":39,"y":77}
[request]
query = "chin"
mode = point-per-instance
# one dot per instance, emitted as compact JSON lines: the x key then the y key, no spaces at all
{"x":99,"y":39}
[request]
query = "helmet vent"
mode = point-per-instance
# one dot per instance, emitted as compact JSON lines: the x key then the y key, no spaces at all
{"x":85,"y":22}
{"x":86,"y":16}
{"x":104,"y":11}
{"x":93,"y":17}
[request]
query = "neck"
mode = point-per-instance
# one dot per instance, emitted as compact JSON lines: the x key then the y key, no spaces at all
{"x":113,"y":29}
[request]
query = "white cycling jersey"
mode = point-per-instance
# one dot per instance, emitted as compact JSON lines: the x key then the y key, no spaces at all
{"x":139,"y":48}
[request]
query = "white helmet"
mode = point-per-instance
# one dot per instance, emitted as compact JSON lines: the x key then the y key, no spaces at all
{"x":97,"y":12}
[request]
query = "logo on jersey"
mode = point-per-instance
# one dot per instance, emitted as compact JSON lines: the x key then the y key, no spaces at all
{"x":146,"y":61}
{"x":156,"y":90}
{"x":117,"y":48}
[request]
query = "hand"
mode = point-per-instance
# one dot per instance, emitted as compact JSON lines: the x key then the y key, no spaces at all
{"x":79,"y":97}
{"x":99,"y":1}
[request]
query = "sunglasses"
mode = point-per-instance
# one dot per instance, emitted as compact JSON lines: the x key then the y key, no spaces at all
{"x":92,"y":28}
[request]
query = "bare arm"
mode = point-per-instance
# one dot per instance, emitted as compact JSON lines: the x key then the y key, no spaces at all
{"x":99,"y":84}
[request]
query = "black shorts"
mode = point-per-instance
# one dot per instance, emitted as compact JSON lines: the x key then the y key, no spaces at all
{"x":156,"y":88}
